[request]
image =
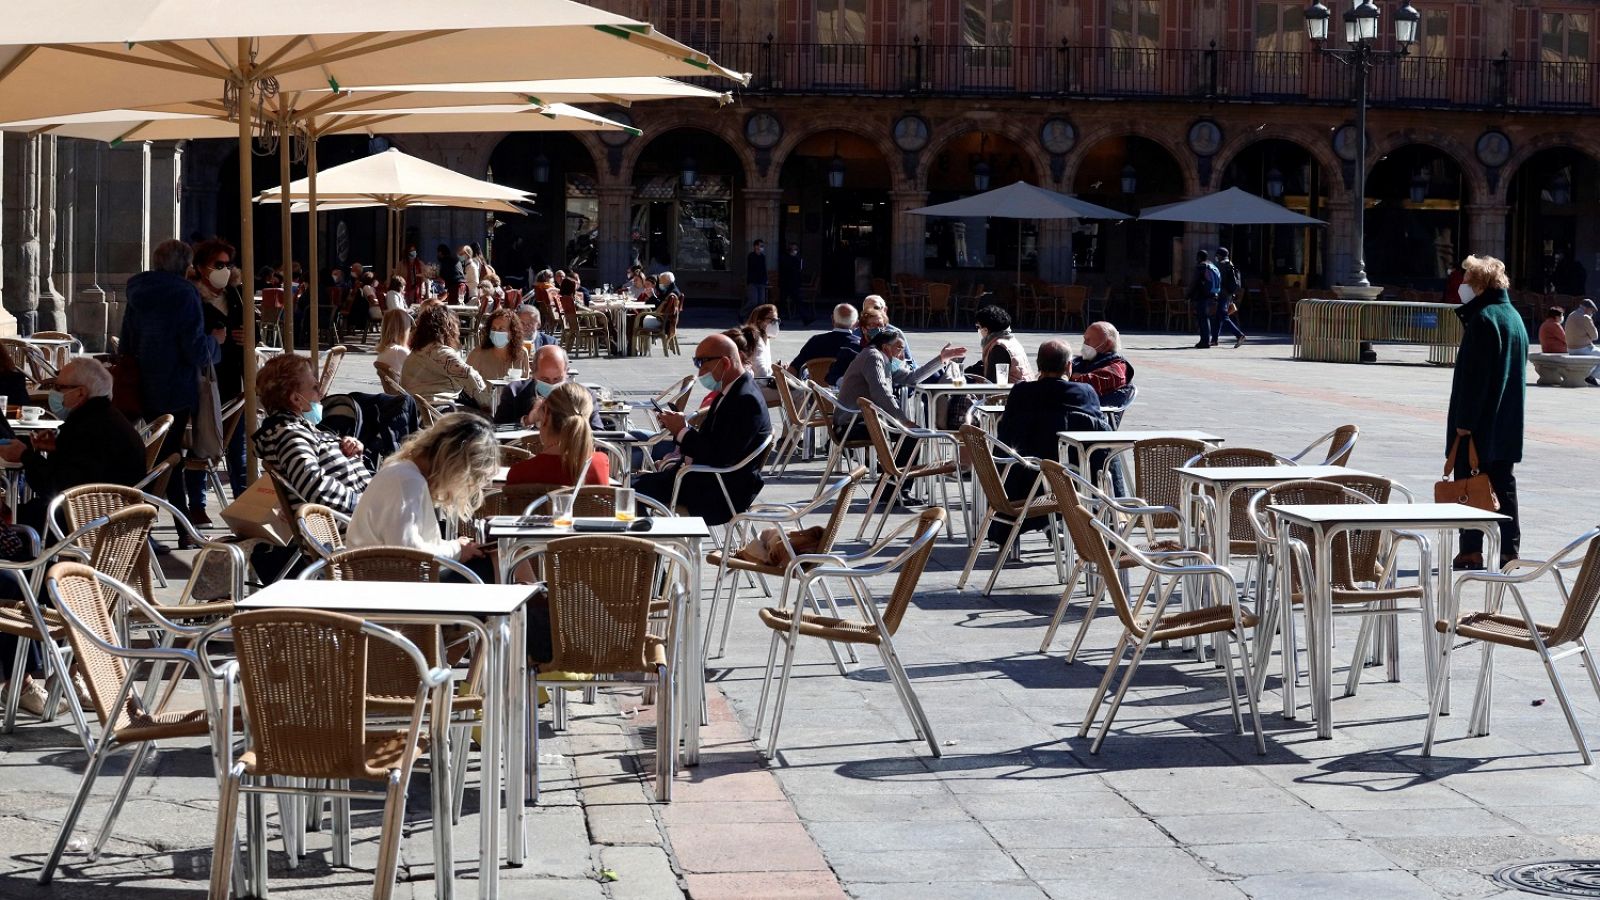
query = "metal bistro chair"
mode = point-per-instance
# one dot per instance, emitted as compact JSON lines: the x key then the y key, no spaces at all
{"x":320,"y":529}
{"x":1001,"y":508}
{"x":876,"y":627}
{"x":759,"y":453}
{"x":90,"y":603}
{"x":330,"y":368}
{"x":778,"y":516}
{"x":840,"y":441}
{"x":232,"y":414}
{"x":893,"y":478}
{"x":800,"y":416}
{"x":600,"y":592}
{"x":1115,"y":404}
{"x":1241,"y":533}
{"x":303,"y":676}
{"x":1552,"y":642}
{"x":1341,"y":442}
{"x":1098,"y":541}
{"x":388,"y":378}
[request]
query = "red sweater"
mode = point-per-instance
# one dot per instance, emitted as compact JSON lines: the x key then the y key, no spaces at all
{"x":546,"y":468}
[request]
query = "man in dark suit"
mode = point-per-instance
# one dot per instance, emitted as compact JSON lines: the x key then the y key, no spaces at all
{"x":735,"y":424}
{"x":828,"y":344}
{"x":94,"y":445}
{"x":1036,"y":410}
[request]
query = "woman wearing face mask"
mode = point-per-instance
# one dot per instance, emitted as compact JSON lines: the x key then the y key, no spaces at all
{"x":315,"y":466}
{"x":568,"y":453}
{"x":762,"y":327}
{"x":395,"y":297}
{"x":875,"y":373}
{"x":999,"y":347}
{"x":222,"y":305}
{"x":501,"y":348}
{"x":413,"y":270}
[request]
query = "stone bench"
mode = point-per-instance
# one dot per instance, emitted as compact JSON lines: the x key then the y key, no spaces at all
{"x":1564,"y":369}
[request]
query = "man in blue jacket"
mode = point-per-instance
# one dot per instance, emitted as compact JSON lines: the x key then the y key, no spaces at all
{"x":1205,"y":290}
{"x":163,"y":331}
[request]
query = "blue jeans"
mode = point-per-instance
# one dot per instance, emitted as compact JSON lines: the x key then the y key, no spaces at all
{"x":195,"y":483}
{"x":1202,"y":319}
{"x":1221,"y":319}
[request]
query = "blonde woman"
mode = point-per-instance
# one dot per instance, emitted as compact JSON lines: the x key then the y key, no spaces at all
{"x":393,"y":337}
{"x":443,"y":470}
{"x":563,"y":420}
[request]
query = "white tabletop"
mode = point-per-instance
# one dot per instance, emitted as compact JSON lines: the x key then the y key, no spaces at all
{"x":1266,"y":474}
{"x":515,"y":434}
{"x":1135,"y":434}
{"x":35,"y":425}
{"x":668,"y":527}
{"x":944,"y":387}
{"x":410,"y":597}
{"x":1384,"y":514}
{"x":48,"y":342}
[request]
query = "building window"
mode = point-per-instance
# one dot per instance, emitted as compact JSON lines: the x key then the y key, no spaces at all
{"x":1135,"y":34}
{"x":842,"y":38}
{"x":1565,"y":41}
{"x":1280,"y":40}
{"x":582,"y":228}
{"x":684,"y":227}
{"x":697,"y":23}
{"x":1428,"y":65}
{"x":988,"y":31}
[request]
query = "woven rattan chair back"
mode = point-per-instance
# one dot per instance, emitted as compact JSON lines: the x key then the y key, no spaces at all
{"x":102,"y":671}
{"x":825,"y":404}
{"x":1346,"y":569}
{"x":880,"y":439}
{"x":600,"y":589}
{"x":1343,"y":444}
{"x":1581,"y":601}
{"x":841,"y":508}
{"x":121,"y":547}
{"x":322,"y":527}
{"x":330,"y":367}
{"x":154,"y":438}
{"x":817,"y":369}
{"x":791,"y":408}
{"x":905,"y":586}
{"x":1154,"y":477}
{"x":304,"y":678}
{"x":979,"y":456}
{"x":512,"y":499}
{"x":1234,"y":457}
{"x":510,"y":456}
{"x":390,"y":673}
{"x":1365,"y":546}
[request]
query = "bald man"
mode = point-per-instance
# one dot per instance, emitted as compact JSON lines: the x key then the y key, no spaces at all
{"x":734,"y":425}
{"x":518,"y":398}
{"x":1100,"y":364}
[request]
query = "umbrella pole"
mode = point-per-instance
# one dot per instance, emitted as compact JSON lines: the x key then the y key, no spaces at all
{"x":312,"y":271}
{"x":286,"y":229}
{"x":247,"y":255}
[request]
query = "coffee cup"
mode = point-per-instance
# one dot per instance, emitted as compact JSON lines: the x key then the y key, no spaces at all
{"x":32,"y":413}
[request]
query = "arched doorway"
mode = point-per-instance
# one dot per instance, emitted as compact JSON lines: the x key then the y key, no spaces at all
{"x":562,"y":229}
{"x":1552,"y":236}
{"x":1287,"y":173}
{"x":686,"y":212}
{"x":979,"y":249}
{"x":836,"y":208}
{"x":1129,"y":173}
{"x":1416,"y":218}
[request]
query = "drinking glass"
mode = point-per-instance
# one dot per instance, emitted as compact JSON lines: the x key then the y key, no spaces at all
{"x":1002,"y":373}
{"x":561,"y":506}
{"x":625,"y":504}
{"x":513,"y":374}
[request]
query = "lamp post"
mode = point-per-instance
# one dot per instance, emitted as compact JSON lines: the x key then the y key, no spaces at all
{"x":1361,"y":34}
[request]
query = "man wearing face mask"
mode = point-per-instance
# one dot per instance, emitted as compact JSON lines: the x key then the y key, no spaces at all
{"x":411,"y":270}
{"x":733,"y":426}
{"x":519,"y":399}
{"x":315,"y":465}
{"x":1101,"y":365}
{"x":877,"y":370}
{"x":95,"y":444}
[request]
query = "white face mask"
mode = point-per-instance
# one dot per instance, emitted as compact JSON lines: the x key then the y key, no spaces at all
{"x":219,"y":278}
{"x":1466,"y":293}
{"x":1089,"y":353}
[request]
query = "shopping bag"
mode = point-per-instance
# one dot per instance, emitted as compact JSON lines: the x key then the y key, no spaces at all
{"x":205,"y":435}
{"x":258,"y":513}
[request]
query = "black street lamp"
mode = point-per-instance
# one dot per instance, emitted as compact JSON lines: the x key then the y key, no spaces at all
{"x":836,"y":171}
{"x":1274,"y":184}
{"x":690,"y":173}
{"x":1361,"y":34}
{"x":541,"y":169}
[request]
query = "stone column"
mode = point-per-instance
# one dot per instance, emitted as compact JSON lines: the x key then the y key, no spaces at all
{"x":616,"y":223}
{"x":1341,"y":233}
{"x":761,"y":212}
{"x":1486,"y":231}
{"x":52,"y":312}
{"x":907,"y":249}
{"x":21,"y":214}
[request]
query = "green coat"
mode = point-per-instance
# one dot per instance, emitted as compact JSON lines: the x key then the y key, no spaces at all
{"x":1486,"y":395}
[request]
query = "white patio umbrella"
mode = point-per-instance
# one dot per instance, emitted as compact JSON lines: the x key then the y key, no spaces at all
{"x":623,"y":91}
{"x":1228,"y":207}
{"x":1019,"y":201}
{"x":61,"y":57}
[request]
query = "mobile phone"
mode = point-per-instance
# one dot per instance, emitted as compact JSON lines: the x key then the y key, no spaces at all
{"x":656,"y":405}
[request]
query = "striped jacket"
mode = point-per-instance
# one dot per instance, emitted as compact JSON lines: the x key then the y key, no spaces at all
{"x":310,"y":462}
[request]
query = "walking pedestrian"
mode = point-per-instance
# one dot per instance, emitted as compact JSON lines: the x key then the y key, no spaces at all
{"x":1205,"y":286}
{"x":1226,"y":300}
{"x":790,"y":268}
{"x":755,"y":278}
{"x":1486,"y":398}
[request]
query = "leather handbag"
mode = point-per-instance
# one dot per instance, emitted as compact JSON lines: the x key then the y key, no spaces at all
{"x":1473,"y":490}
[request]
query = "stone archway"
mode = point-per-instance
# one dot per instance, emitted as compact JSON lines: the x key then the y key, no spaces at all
{"x":1296,"y":176}
{"x":1128,"y":172}
{"x":1553,"y":221}
{"x":1418,"y":194}
{"x":836,"y":211}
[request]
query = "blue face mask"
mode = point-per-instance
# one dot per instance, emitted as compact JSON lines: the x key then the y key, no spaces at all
{"x":543,"y":388}
{"x":314,"y":414}
{"x":499,"y":339}
{"x":896,"y":365}
{"x":872,"y":332}
{"x":710,"y":382}
{"x":58,"y":405}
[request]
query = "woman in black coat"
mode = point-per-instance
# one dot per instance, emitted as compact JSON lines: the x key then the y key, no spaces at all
{"x":222,"y":305}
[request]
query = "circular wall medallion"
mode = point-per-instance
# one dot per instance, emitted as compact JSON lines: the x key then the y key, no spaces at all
{"x":1344,"y":143}
{"x":617,"y":138}
{"x":1205,"y":138}
{"x":1058,"y":136}
{"x":911,"y":133}
{"x":763,"y":130}
{"x":1493,"y":149}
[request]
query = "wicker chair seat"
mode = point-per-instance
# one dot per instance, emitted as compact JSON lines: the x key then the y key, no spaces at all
{"x":947,"y":467}
{"x":829,"y":628}
{"x":1194,"y":622}
{"x":381,"y":752}
{"x":1041,"y":506}
{"x":164,"y":726}
{"x":384,"y":705}
{"x":1497,"y":629}
{"x":1351,"y":596}
{"x":714,"y":558}
{"x":14,"y":620}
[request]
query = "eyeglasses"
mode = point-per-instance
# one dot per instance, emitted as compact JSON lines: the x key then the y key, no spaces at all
{"x":222,"y":264}
{"x":700,"y":361}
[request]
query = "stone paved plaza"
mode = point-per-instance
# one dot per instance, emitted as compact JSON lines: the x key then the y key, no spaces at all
{"x":1175,"y":805}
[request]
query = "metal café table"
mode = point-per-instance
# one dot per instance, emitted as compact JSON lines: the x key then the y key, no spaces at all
{"x":931,"y":394}
{"x":685,"y":532}
{"x":1327,"y":521}
{"x":1115,"y":442}
{"x":1222,"y":482}
{"x":502,"y":608}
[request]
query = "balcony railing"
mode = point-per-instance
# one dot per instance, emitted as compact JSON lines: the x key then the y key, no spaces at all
{"x":1211,"y":74}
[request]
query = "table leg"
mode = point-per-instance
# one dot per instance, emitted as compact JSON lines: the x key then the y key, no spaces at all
{"x":1284,"y":605}
{"x":444,"y":869}
{"x":1479,"y":726}
{"x":518,"y":721}
{"x":491,"y":760}
{"x":1451,"y":603}
{"x":1322,"y":669}
{"x":692,"y":672}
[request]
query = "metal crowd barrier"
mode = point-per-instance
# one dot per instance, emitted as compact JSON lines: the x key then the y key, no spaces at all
{"x":1333,"y":330}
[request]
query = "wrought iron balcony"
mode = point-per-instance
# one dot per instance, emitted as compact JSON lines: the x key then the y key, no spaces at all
{"x":1210,"y":74}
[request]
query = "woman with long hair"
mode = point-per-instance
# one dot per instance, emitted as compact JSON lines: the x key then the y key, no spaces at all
{"x":443,"y":469}
{"x":764,"y":323}
{"x":435,"y":369}
{"x":394,"y":335}
{"x":501,"y":348}
{"x":569,"y":453}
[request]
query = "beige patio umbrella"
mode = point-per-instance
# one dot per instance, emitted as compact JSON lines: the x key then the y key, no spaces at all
{"x":62,"y":57}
